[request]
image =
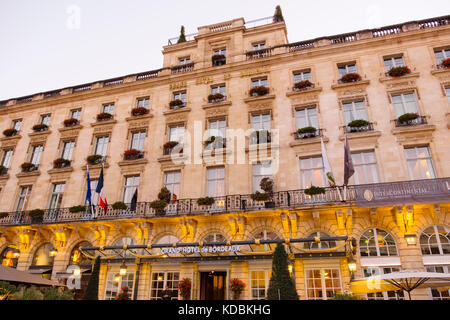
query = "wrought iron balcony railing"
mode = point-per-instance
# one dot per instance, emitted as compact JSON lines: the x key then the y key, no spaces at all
{"x":414,"y":122}
{"x":187,"y":67}
{"x":366,"y":128}
{"x":306,"y":135}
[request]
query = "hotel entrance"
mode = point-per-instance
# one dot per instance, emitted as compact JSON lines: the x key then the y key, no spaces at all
{"x":212,"y":285}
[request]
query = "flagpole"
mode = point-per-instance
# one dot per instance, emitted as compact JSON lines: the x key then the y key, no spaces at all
{"x":327,"y":169}
{"x":90,"y":197}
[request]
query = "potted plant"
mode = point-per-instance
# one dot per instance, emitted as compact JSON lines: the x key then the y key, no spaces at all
{"x":215,"y":97}
{"x":132,"y":154}
{"x":398,"y":71}
{"x":177,"y":103}
{"x":119,"y":205}
{"x":236,"y":287}
{"x":305,"y":84}
{"x":71,"y":122}
{"x":259,"y":196}
{"x":124,"y":294}
{"x":306,"y":132}
{"x":446,"y":63}
{"x":61,"y":163}
{"x":165,"y":194}
{"x":10,"y":132}
{"x":184,"y":287}
{"x":104,"y":116}
{"x":139,"y":111}
{"x":40,"y":127}
{"x":350,"y":77}
{"x":266,"y":184}
{"x":3,"y":215}
{"x":36,"y":215}
{"x":77,"y":209}
{"x":164,"y":197}
{"x":259,"y":91}
{"x":207,"y":201}
{"x":168,"y":146}
{"x":27,"y":167}
{"x":311,"y":191}
{"x":94,"y":159}
{"x":406,"y":118}
{"x":358,"y":125}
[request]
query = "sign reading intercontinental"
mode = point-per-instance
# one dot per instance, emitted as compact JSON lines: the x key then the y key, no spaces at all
{"x":212,"y":249}
{"x":403,"y":193}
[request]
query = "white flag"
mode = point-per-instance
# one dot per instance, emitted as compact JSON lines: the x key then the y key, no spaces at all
{"x":326,"y":165}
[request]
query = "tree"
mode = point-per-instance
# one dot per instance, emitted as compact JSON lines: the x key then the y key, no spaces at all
{"x":182,"y":37}
{"x":281,"y":286}
{"x":278,"y":16}
{"x":92,"y":288}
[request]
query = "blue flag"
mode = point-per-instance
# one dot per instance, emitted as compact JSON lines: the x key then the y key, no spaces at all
{"x":89,"y":191}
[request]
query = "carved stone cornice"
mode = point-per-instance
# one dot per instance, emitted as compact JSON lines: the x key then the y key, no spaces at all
{"x":56,"y":171}
{"x":103,"y":129}
{"x":441,"y":72}
{"x":96,"y":166}
{"x":25,"y":177}
{"x":133,"y":163}
{"x":168,"y":158}
{"x":362,"y":140}
{"x":138,"y":123}
{"x":361,"y":135}
{"x":343,"y":86}
{"x":36,"y":137}
{"x":176,"y":111}
{"x":308,"y":141}
{"x":139,"y":118}
{"x":216,"y":105}
{"x":398,"y":86}
{"x":61,"y":174}
{"x":259,"y":99}
{"x":217,"y":111}
{"x":10,"y":141}
{"x":176,"y":118}
{"x":4,"y":176}
{"x":67,"y":132}
{"x":417,"y":130}
{"x":103,"y":123}
{"x":295,"y":94}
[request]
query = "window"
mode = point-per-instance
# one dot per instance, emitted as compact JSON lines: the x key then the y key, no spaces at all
{"x":435,"y":240}
{"x":221,"y":51}
{"x":302,"y":76}
{"x":322,"y":284}
{"x":217,"y":128}
{"x":24,"y":194}
{"x":131,"y":184}
{"x":172,"y":183}
{"x":215,"y":182}
{"x":176,"y":133}
{"x":6,"y":158}
{"x":377,"y":243}
{"x":306,"y":118}
{"x":261,"y":122}
{"x":57,"y":195}
{"x":220,"y":61}
{"x":180,"y":96}
{"x":9,"y":257}
{"x":261,"y":171}
{"x":259,"y":45}
{"x":404,"y":103}
{"x":137,"y":140}
{"x":76,"y":114}
{"x":101,"y":146}
{"x":121,"y":242}
{"x":215,"y":237}
{"x":441,"y":55}
{"x":387,"y":295}
{"x":67,"y":150}
{"x":393,"y":62}
{"x":420,"y":164}
{"x":184,"y":60}
{"x":162,"y":279}
{"x":45,"y":119}
{"x":311,"y":172}
{"x":355,"y":110}
{"x":115,"y":283}
{"x":42,"y":256}
{"x":366,"y":168}
{"x":108,"y":108}
{"x":36,"y":154}
{"x":261,"y":82}
{"x":143,"y":103}
{"x":447,"y":91}
{"x":343,"y":69}
{"x":17,"y":124}
{"x":218,"y":89}
{"x":321,"y":244}
{"x":435,"y":293}
{"x":259,"y":280}
{"x":264,"y":235}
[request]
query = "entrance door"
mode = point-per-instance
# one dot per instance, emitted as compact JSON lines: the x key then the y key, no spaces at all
{"x":213,"y":285}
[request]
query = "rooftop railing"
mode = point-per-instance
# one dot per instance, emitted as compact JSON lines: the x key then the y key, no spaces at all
{"x":259,"y":22}
{"x":113,"y":82}
{"x":189,"y":37}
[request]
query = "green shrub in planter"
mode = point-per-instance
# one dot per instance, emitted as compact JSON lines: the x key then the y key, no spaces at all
{"x":408,"y":117}
{"x":267,"y":185}
{"x":40,"y":127}
{"x":36,"y":213}
{"x":314,"y":190}
{"x":94,"y":159}
{"x":27,"y":166}
{"x":119,"y":205}
{"x":345,"y":296}
{"x":306,"y":130}
{"x":10,"y":132}
{"x":258,"y":196}
{"x":165,"y":195}
{"x":358,"y":123}
{"x":176,"y":103}
{"x":158,"y":205}
{"x":76,"y":209}
{"x":207,"y":201}
{"x":3,"y":215}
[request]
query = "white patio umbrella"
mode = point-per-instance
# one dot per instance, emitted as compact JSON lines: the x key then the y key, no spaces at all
{"x":406,"y":280}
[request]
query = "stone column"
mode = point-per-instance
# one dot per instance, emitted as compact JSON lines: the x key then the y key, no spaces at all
{"x":300,"y":285}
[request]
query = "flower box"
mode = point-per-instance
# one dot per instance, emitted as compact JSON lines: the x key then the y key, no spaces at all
{"x":61,"y":163}
{"x":10,"y":132}
{"x":314,"y":191}
{"x":94,"y":159}
{"x":446,"y":63}
{"x":71,"y":122}
{"x":104,"y":116}
{"x":259,"y":91}
{"x":302,"y":85}
{"x":132,"y":154}
{"x":398,"y":71}
{"x":140,"y":111}
{"x":28,"y":167}
{"x":358,"y":123}
{"x":176,"y":104}
{"x":350,"y":77}
{"x":40,"y":127}
{"x":215,"y":97}
{"x":310,"y":131}
{"x":407,"y":118}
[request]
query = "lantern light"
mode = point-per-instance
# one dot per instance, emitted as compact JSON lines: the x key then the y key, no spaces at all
{"x":123,"y":269}
{"x":411,"y":239}
{"x":351,"y":264}
{"x":53,"y":252}
{"x":77,"y":272}
{"x":117,"y":278}
{"x":290,"y":269}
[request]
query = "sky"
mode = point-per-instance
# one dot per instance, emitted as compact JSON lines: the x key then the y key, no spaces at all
{"x":52,"y":44}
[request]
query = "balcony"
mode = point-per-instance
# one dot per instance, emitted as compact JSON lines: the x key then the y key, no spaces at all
{"x":3,"y":171}
{"x":133,"y":154}
{"x":61,"y":163}
{"x":218,"y":60}
{"x":360,"y":128}
{"x":182,"y":68}
{"x":410,"y":122}
{"x":29,"y":167}
{"x":259,"y":54}
{"x":299,"y":135}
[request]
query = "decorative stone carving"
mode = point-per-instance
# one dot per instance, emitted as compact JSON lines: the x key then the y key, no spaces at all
{"x":178,"y":85}
{"x":251,"y":72}
{"x":203,"y":80}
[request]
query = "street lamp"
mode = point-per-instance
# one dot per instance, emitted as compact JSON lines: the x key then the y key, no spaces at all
{"x":53,"y":252}
{"x":351,"y":266}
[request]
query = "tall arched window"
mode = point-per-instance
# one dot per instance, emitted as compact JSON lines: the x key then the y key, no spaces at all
{"x":77,"y":258}
{"x":377,"y":243}
{"x":43,"y":256}
{"x":167,"y":239}
{"x":215,"y":237}
{"x":9,"y":257}
{"x":435,"y":240}
{"x":124,"y":241}
{"x":319,"y":245}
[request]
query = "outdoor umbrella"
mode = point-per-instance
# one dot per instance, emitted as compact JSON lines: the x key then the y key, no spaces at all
{"x":406,"y":280}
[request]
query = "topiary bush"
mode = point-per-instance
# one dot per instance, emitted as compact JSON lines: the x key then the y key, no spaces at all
{"x":407,"y":117}
{"x":314,"y":191}
{"x":91,"y":292}
{"x":119,"y":205}
{"x":76,"y":209}
{"x":207,"y":201}
{"x":358,"y":123}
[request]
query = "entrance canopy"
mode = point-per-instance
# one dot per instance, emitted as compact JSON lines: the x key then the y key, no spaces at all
{"x":15,"y":276}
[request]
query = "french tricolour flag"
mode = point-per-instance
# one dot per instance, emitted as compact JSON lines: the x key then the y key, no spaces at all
{"x":101,"y":191}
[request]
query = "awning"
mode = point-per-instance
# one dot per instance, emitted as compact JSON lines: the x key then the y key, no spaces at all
{"x":40,"y":270}
{"x":16,"y":276}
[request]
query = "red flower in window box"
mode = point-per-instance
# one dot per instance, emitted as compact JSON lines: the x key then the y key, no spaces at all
{"x":350,"y":77}
{"x":446,"y":63}
{"x":303,"y":85}
{"x":104,"y":116}
{"x":259,"y":91}
{"x":61,"y":163}
{"x":132,"y":154}
{"x":399,"y":71}
{"x":139,"y":111}
{"x":71,"y":122}
{"x":170,"y":144}
{"x":40,"y":127}
{"x":215,"y":97}
{"x":176,"y":103}
{"x":10,"y":132}
{"x":124,"y":294}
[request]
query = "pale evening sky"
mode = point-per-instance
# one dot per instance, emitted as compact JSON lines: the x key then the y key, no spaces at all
{"x":52,"y":44}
